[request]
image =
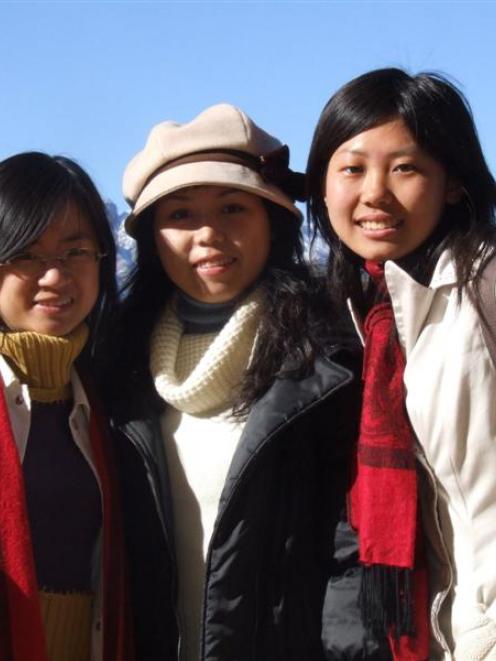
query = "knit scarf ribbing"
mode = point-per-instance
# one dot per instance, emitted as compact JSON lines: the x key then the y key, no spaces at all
{"x":213,"y":382}
{"x":44,"y":362}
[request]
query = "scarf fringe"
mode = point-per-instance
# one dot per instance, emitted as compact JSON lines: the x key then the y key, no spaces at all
{"x":386,"y":600}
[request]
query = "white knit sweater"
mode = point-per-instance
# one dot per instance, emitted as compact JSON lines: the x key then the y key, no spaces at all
{"x":198,"y":375}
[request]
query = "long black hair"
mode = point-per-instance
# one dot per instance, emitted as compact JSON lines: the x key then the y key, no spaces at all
{"x":439,"y":117}
{"x":295,"y":320}
{"x":34,"y":187}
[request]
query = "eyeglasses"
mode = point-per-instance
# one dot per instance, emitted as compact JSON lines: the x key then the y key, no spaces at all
{"x":28,"y":264}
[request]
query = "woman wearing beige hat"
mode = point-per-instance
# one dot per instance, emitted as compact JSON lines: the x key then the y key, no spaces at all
{"x":241,"y":406}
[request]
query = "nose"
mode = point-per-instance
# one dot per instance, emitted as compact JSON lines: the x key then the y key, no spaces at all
{"x":210,"y":231}
{"x":53,"y":273}
{"x":376,"y":190}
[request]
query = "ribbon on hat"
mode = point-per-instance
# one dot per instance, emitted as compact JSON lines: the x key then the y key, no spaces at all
{"x":274,"y":169}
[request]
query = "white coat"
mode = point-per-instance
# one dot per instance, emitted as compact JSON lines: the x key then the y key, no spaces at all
{"x":450,"y":398}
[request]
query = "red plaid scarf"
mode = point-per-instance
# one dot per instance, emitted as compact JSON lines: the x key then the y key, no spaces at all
{"x":22,"y":636}
{"x":383,"y":498}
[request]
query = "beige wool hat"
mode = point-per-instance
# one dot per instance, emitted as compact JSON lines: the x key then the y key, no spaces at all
{"x":222,"y":146}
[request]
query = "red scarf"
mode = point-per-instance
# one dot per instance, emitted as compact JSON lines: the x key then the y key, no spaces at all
{"x":384,"y":498}
{"x":22,"y":636}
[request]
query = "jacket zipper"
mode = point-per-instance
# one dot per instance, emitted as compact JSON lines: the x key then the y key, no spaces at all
{"x":441,"y":596}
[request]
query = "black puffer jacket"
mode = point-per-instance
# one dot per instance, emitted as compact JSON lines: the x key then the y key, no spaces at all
{"x":282,"y":578}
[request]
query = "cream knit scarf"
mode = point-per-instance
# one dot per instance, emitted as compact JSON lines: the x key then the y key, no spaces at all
{"x":212,"y":383}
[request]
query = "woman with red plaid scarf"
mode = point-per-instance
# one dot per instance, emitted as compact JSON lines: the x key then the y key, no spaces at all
{"x":400,"y":190}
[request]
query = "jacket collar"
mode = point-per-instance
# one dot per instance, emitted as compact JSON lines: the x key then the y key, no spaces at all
{"x":444,"y":272}
{"x":411,"y":301}
{"x":285,"y":401}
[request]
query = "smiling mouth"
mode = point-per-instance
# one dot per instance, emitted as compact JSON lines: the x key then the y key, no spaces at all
{"x":59,"y":304}
{"x":379,"y":224}
{"x":215,"y":263}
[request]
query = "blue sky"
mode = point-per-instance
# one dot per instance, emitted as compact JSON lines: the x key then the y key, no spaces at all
{"x":89,"y":79}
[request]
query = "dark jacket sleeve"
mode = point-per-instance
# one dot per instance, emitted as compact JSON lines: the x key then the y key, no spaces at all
{"x":150,"y":570}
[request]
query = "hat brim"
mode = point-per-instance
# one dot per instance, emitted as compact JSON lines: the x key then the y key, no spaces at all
{"x":206,"y":173}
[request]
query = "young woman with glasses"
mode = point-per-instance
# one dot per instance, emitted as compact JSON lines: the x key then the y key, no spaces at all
{"x":62,"y":595}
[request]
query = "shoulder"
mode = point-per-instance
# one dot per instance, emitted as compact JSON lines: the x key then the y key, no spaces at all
{"x":136,"y":400}
{"x":332,"y":383}
{"x":487,"y":302}
{"x":488,"y":283}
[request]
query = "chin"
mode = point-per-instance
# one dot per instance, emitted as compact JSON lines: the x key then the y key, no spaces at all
{"x":213,"y":297}
{"x":382,"y":255}
{"x":220,"y":299}
{"x":56,"y":330}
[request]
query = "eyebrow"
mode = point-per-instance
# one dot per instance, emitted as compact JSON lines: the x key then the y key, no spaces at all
{"x":72,"y":238}
{"x":406,"y":151}
{"x":77,"y":236}
{"x":232,"y":191}
{"x":176,"y":196}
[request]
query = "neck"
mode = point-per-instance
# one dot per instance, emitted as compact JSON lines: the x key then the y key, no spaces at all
{"x":199,"y":318}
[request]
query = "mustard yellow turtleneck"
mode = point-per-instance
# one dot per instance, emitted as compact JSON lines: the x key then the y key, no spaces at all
{"x":43,"y":362}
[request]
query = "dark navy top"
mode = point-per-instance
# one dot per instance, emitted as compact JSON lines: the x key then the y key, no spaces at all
{"x":63,"y":500}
